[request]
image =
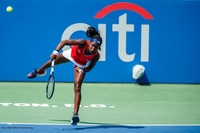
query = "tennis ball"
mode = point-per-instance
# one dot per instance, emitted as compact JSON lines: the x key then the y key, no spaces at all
{"x":9,"y":9}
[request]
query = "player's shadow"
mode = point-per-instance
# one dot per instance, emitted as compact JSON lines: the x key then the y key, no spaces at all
{"x":105,"y":126}
{"x":92,"y":125}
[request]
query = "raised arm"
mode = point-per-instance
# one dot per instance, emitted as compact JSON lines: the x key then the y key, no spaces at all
{"x":80,"y":42}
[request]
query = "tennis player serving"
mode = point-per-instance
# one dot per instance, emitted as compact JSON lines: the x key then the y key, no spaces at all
{"x":84,"y":54}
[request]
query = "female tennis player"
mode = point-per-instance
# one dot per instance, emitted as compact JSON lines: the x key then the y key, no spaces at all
{"x":84,"y":54}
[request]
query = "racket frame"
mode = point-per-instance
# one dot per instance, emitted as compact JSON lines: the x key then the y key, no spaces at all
{"x":51,"y":76}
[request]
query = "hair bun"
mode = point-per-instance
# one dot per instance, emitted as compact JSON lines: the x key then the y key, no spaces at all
{"x":91,"y":31}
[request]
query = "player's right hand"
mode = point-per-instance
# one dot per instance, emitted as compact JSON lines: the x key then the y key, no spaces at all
{"x":54,"y":54}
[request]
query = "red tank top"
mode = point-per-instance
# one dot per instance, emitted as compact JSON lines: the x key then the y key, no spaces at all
{"x":78,"y":54}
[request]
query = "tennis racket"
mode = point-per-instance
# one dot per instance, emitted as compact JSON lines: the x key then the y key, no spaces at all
{"x":51,"y":82}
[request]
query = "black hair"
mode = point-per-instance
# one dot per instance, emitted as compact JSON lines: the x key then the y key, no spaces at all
{"x":93,"y":33}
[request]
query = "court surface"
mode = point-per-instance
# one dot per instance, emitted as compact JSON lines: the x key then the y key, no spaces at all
{"x":162,"y":108}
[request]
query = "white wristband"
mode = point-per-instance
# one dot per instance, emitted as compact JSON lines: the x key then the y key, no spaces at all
{"x":55,"y":52}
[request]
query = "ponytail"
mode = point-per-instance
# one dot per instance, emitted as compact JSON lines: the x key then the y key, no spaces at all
{"x":94,"y":34}
{"x":91,"y":32}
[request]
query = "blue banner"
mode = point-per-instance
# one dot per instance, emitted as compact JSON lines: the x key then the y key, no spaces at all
{"x":163,"y":36}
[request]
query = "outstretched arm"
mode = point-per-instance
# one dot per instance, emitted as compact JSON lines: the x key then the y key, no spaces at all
{"x":80,"y":42}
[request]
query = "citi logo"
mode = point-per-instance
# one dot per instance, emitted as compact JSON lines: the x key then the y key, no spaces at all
{"x":122,"y":28}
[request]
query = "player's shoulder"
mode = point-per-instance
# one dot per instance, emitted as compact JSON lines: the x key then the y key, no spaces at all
{"x":81,"y":41}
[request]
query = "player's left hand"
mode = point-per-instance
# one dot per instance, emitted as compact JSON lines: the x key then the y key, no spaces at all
{"x":79,"y":70}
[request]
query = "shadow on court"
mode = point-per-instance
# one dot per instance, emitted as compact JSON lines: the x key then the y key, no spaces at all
{"x":92,"y":125}
{"x":109,"y":127}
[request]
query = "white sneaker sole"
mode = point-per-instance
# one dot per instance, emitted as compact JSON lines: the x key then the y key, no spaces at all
{"x":41,"y":74}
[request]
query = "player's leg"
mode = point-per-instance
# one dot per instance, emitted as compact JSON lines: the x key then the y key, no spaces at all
{"x":41,"y":71}
{"x":78,"y":80}
{"x":59,"y":60}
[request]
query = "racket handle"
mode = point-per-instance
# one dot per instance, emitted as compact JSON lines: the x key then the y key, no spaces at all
{"x":52,"y":62}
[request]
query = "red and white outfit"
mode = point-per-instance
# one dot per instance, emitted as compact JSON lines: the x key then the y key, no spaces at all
{"x":77,"y":56}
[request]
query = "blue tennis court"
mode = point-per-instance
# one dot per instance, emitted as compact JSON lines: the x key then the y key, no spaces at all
{"x":40,"y":128}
